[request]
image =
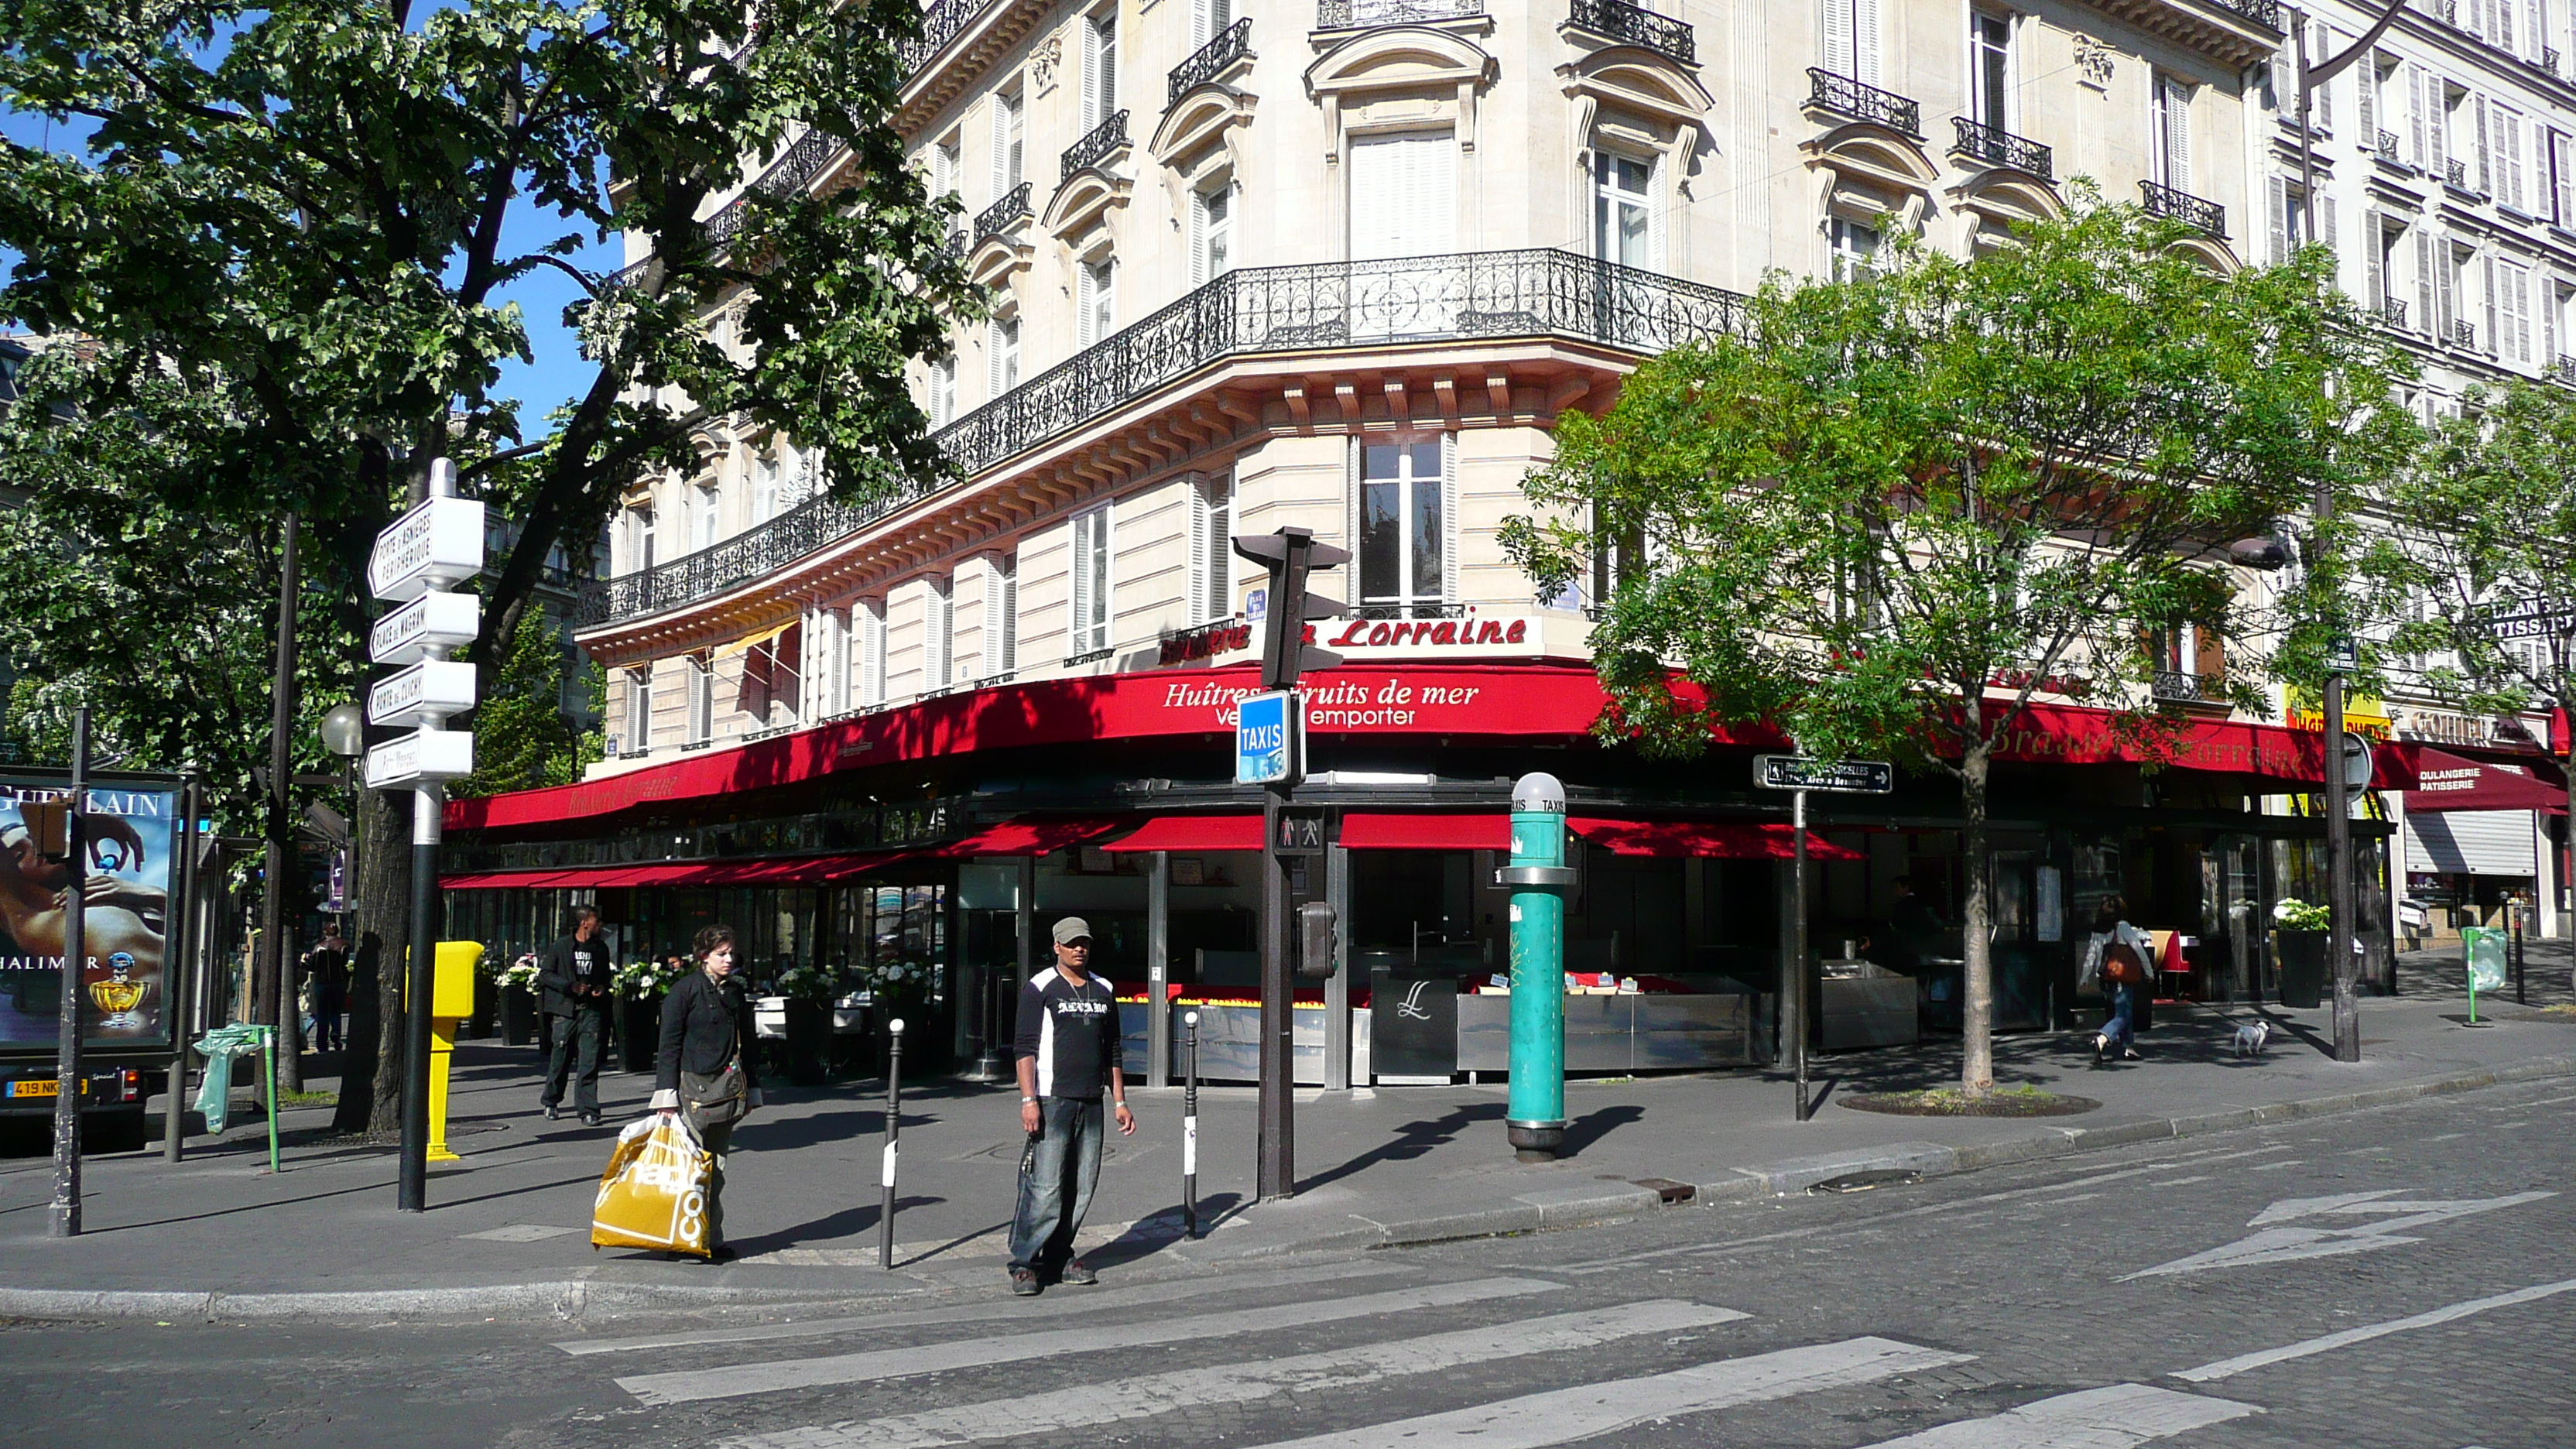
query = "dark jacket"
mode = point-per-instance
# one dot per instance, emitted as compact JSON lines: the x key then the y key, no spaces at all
{"x":556,"y":975}
{"x":701,"y":1022}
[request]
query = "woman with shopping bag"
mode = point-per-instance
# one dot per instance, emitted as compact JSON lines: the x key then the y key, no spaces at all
{"x":705,"y":1070}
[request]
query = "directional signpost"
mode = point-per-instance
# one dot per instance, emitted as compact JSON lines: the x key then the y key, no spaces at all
{"x":1799,"y":774}
{"x":437,"y":545}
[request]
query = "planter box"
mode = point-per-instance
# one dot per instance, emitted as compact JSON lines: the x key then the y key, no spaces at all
{"x":519,"y":1017}
{"x":2303,"y":967}
{"x":809,"y":1042}
{"x":639,"y":1031}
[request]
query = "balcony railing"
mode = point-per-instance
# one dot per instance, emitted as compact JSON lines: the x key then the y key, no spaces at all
{"x":1210,"y":60}
{"x":2392,"y":311}
{"x":1536,"y":293}
{"x":998,"y":217}
{"x":2464,"y":332}
{"x":2182,"y":206}
{"x":1637,"y":25}
{"x":2564,"y":369}
{"x":1998,"y":147}
{"x":1370,"y":14}
{"x":1842,"y":95}
{"x":1093,"y":149}
{"x":788,"y":175}
{"x":2456,"y":172}
{"x":2387,"y":145}
{"x":940,"y":24}
{"x":2549,"y":59}
{"x":2180,"y":686}
{"x":2266,"y":13}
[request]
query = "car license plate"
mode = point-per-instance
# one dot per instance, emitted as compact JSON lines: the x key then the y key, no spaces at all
{"x":47,"y":1087}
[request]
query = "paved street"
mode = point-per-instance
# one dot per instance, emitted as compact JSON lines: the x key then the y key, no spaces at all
{"x":2398,"y":1277}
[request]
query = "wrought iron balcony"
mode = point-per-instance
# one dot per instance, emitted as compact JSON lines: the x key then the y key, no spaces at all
{"x":2456,"y":172}
{"x":1370,"y":14}
{"x":955,"y":246}
{"x":2182,"y":206}
{"x":2387,"y":145}
{"x":1847,"y":97}
{"x":2464,"y":332}
{"x":1093,"y":149}
{"x":2564,"y":369}
{"x":2179,"y":686}
{"x":943,"y":22}
{"x":999,"y":217}
{"x":1637,"y":25}
{"x":2266,"y":13}
{"x":1998,"y":147}
{"x":1535,"y":293}
{"x":2549,"y":59}
{"x":2392,"y":311}
{"x":1210,"y":60}
{"x":788,"y":175}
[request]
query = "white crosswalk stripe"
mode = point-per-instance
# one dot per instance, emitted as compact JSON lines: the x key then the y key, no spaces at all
{"x":1562,"y":1416}
{"x":1340,"y":1370}
{"x":740,"y":1380}
{"x":2116,"y":1417}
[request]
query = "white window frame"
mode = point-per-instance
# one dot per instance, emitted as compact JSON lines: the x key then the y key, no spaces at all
{"x":836,"y":662}
{"x":1099,"y":68}
{"x":1001,"y":356}
{"x":1991,"y":110}
{"x":1010,"y":141}
{"x":1846,"y":259}
{"x":1212,"y":231}
{"x":1611,"y":200}
{"x":1211,"y":552}
{"x":943,"y":391}
{"x":869,"y":617}
{"x":1002,"y":616}
{"x":702,"y":698}
{"x":703,"y":500}
{"x":938,"y":631}
{"x":2170,"y":132}
{"x":1208,"y":20}
{"x":1850,"y":39}
{"x":639,"y":710}
{"x":645,"y":523}
{"x":1090,"y":561}
{"x":1095,"y":300}
{"x":1409,"y":593}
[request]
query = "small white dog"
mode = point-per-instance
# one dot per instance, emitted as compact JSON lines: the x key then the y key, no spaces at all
{"x":2250,"y":1038}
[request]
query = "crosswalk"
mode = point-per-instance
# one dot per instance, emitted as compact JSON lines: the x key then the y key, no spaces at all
{"x":1359,"y":1347}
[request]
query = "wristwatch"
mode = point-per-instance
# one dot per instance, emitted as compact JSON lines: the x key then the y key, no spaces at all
{"x":1024,"y":1101}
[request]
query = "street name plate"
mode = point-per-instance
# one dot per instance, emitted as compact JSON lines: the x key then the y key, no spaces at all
{"x":423,"y":694}
{"x":1842,"y":777}
{"x":436,"y":620}
{"x":423,"y":757}
{"x":2530,"y":626}
{"x":436,"y":544}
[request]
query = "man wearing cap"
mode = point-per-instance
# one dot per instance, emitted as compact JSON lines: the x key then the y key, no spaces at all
{"x":1068,"y":1045}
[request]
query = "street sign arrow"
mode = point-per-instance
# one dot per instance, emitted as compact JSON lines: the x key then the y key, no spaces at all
{"x":423,"y":694}
{"x":436,"y":544}
{"x":433,"y":623}
{"x":1841,"y":777}
{"x":423,"y":757}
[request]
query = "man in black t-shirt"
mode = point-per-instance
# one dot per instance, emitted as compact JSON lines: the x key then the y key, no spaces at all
{"x":574,"y":981}
{"x":1069,"y":1045}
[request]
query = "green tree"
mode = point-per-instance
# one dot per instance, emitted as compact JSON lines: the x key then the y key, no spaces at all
{"x":308,"y":219}
{"x":2476,"y":572}
{"x":1896,"y":509}
{"x":523,"y":738}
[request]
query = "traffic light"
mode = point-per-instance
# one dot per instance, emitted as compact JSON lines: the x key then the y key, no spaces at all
{"x":1290,"y":554}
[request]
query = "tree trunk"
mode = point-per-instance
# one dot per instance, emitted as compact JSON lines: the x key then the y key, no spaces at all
{"x":1977,"y":1012}
{"x":371,"y":1078}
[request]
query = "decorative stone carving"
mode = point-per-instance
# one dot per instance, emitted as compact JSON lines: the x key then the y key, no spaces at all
{"x":2093,"y":59}
{"x":1043,"y":61}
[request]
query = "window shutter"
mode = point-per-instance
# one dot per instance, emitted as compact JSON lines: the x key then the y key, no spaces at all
{"x":872,"y":652}
{"x":2415,"y":152}
{"x":2278,"y":223}
{"x":2330,"y":234}
{"x":1865,"y":41}
{"x":2518,"y":297}
{"x":2562,"y":185}
{"x":2485,"y":153}
{"x":1202,"y":587}
{"x":2177,"y":121}
{"x":1449,"y":518}
{"x":1001,"y":145}
{"x":2322,"y":47}
{"x":1351,"y":512}
{"x":2511,"y":140}
{"x":1090,"y":73}
{"x":1202,"y":24}
{"x":2544,"y":295}
{"x":1838,"y":36}
{"x":2437,"y":128}
{"x":2427,"y":319}
{"x":2374,"y":282}
{"x":1656,"y":210}
{"x":1086,"y":286}
{"x":1198,"y":232}
{"x":1079,"y":640}
{"x":1010,"y":614}
{"x":2365,"y":99}
{"x":2493,"y":341}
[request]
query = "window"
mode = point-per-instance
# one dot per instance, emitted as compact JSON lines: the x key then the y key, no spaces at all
{"x":1990,"y":70}
{"x":1007,"y":140}
{"x":643,"y":525}
{"x":1089,"y":631}
{"x":1099,"y":69}
{"x":2379,"y":252}
{"x":1851,"y":39}
{"x":1402,"y":525}
{"x":704,"y":497}
{"x":938,"y":633}
{"x":702,"y":699}
{"x":1623,"y":209}
{"x":1212,"y":232}
{"x":2509,"y":313}
{"x":944,"y":167}
{"x":943,"y":392}
{"x":1402,"y":195}
{"x":2510,"y":170}
{"x":1211,"y":551}
{"x":639,"y":710}
{"x":834,"y":657}
{"x":2172,"y":134}
{"x":1002,"y":617}
{"x":2562,"y":178}
{"x":1001,"y":356}
{"x":2369,"y":76}
{"x":869,"y":617}
{"x":1855,"y":248}
{"x":1095,"y":299}
{"x":1208,"y":20}
{"x":764,"y":489}
{"x":2321,"y":48}
{"x":2288,"y":224}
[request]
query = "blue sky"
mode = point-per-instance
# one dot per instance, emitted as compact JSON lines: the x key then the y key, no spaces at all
{"x":558,"y":372}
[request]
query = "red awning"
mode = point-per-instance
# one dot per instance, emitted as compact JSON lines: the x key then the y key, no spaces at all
{"x":1390,"y":830}
{"x":1715,"y":839}
{"x":2451,"y":782}
{"x":1041,"y":836}
{"x":1195,"y":832}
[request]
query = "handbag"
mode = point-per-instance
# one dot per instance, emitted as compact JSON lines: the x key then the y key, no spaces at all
{"x":719,"y":1098}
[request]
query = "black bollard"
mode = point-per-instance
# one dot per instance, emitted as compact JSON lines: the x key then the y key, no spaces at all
{"x":1190,"y":1129}
{"x":894,"y":1129}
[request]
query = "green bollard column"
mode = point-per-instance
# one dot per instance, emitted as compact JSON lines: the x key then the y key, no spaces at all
{"x":1535,"y":1119}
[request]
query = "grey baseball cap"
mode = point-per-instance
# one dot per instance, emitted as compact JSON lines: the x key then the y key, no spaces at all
{"x":1072,"y":929}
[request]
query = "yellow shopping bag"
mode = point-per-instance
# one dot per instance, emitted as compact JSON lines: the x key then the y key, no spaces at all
{"x":654,"y":1193}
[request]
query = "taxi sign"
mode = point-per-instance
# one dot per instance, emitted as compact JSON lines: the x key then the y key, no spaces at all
{"x":1265,"y":730}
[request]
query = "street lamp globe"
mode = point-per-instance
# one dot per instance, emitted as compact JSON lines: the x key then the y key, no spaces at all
{"x":344,"y":731}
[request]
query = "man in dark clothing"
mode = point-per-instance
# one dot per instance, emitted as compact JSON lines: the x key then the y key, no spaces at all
{"x":573,"y":981}
{"x":327,"y":967}
{"x":1069,"y":1048}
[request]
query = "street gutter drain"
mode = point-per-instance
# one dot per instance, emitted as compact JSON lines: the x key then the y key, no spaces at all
{"x":1669,"y":1190}
{"x":1867,"y":1181}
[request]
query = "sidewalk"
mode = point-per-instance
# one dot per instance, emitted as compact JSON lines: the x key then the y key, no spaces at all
{"x":506,"y":1234}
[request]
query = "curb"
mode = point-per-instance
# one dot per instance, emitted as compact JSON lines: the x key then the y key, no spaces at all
{"x":1539,"y":1210}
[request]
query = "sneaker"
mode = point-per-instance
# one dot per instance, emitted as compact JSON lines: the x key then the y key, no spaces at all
{"x":1024,"y":1284}
{"x":552,"y":1111}
{"x":724,"y":1253}
{"x":1079,"y":1274}
{"x":590,"y":1119}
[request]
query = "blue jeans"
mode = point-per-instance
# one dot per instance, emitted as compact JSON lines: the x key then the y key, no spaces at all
{"x":1056,"y":1193}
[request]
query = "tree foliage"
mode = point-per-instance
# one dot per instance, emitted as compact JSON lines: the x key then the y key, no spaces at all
{"x":1899,"y":508}
{"x":523,"y":737}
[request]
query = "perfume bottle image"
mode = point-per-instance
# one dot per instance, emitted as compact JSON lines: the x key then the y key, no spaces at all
{"x":119,"y":994}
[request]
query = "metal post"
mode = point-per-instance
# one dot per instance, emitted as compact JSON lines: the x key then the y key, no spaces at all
{"x":428,"y":815}
{"x":1337,"y":987}
{"x":1798,"y":945}
{"x":1190,"y":1128}
{"x":277,"y":963}
{"x":176,"y":974}
{"x":1534,"y":1118}
{"x":893,"y":1137}
{"x":2339,"y":883}
{"x":1158,"y":970}
{"x":1276,"y":1172}
{"x":66,"y":1219}
{"x":2519,"y":998}
{"x":268,"y":1064}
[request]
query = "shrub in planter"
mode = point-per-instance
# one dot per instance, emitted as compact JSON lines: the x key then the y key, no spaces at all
{"x":2300,"y":944}
{"x":639,"y":987}
{"x":518,"y":986}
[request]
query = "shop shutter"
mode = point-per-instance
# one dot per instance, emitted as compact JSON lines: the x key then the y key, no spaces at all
{"x":2474,"y":842}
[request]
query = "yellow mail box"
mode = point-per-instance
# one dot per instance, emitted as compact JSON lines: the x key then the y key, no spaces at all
{"x":451,"y":987}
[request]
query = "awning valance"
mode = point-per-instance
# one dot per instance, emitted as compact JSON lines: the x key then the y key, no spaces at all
{"x":1396,"y":830}
{"x":2445,"y":782}
{"x":1714,"y":839}
{"x":1195,"y":832}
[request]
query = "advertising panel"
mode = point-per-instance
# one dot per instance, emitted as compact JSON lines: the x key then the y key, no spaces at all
{"x":125,"y":883}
